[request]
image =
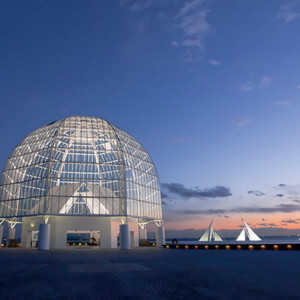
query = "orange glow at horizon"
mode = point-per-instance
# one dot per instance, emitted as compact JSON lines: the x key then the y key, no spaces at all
{"x":234,"y":222}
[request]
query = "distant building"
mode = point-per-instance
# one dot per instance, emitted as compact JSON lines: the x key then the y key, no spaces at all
{"x":81,"y":174}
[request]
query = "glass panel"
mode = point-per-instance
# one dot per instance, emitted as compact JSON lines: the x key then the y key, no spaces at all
{"x":80,"y":166}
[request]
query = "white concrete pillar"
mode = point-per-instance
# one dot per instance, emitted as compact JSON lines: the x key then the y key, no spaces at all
{"x":143,"y":233}
{"x":160,"y":236}
{"x":1,"y":234}
{"x":44,"y":237}
{"x":11,"y":235}
{"x":124,"y":237}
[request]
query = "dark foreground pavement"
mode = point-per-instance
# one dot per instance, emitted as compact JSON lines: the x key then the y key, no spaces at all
{"x":149,"y":273}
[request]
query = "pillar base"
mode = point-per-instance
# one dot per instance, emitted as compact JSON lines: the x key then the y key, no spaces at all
{"x":124,"y":237}
{"x":44,"y":237}
{"x":143,"y":234}
{"x":160,"y":236}
{"x":1,"y":234}
{"x":11,"y":236}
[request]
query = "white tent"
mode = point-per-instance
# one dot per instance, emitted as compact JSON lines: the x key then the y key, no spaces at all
{"x":210,"y":235}
{"x":248,"y":233}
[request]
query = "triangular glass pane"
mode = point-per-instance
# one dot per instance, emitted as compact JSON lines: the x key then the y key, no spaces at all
{"x":80,"y":200}
{"x":83,"y":188}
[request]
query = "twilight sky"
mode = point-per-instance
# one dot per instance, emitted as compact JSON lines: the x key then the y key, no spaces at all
{"x":211,"y":88}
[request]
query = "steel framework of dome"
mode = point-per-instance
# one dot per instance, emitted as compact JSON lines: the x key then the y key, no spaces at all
{"x":80,"y":166}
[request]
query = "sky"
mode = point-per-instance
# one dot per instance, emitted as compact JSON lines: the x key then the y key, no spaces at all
{"x":211,"y":88}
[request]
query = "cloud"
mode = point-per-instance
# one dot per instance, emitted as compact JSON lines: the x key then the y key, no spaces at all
{"x":136,"y":5}
{"x":193,"y":23}
{"x":293,"y":190}
{"x":247,"y":86}
{"x":285,"y":208}
{"x":181,"y":190}
{"x":203,"y":212}
{"x":281,"y":184}
{"x":238,"y":122}
{"x":175,"y":43}
{"x":290,"y":221}
{"x":256,"y":193}
{"x":178,"y":140}
{"x":265,"y":82}
{"x":282,"y":103}
{"x":266,"y":224}
{"x":279,"y":195}
{"x":214,"y":62}
{"x":298,"y":86}
{"x":224,"y":216}
{"x":161,"y":14}
{"x":294,"y":197}
{"x":296,"y":200}
{"x":287,"y":14}
{"x":191,"y":56}
{"x":164,"y":196}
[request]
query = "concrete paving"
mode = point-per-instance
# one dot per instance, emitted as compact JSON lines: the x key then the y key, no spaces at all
{"x":149,"y":273}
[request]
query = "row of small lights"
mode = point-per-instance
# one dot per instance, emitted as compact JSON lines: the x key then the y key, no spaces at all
{"x":250,"y":247}
{"x":73,"y":244}
{"x":3,"y":245}
{"x":79,"y":244}
{"x":68,"y":244}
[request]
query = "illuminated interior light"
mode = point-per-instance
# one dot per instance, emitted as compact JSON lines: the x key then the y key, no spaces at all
{"x":78,"y":167}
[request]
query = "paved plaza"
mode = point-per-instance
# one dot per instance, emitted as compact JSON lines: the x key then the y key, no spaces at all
{"x":149,"y":273}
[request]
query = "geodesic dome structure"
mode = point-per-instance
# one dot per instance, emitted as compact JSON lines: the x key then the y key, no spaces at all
{"x":80,"y":166}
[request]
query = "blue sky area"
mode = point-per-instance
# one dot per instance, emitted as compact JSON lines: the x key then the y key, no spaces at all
{"x":211,"y":88}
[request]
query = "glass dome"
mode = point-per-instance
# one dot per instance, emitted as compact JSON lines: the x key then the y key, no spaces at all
{"x":80,"y":166}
